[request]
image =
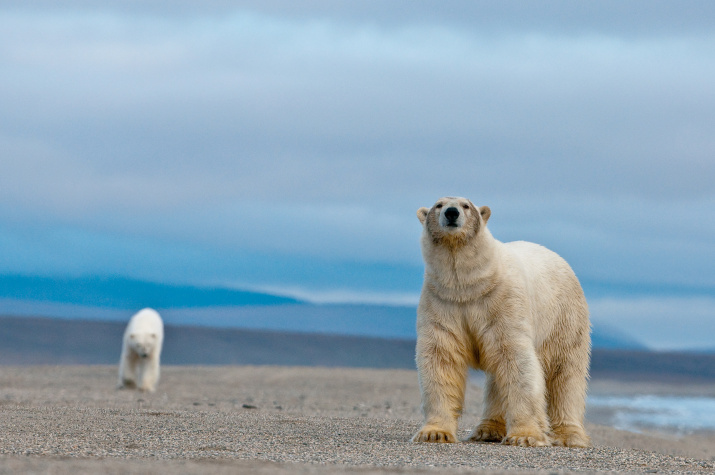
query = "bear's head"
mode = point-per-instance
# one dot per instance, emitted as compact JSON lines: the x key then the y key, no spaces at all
{"x":143,"y":344}
{"x":453,"y":221}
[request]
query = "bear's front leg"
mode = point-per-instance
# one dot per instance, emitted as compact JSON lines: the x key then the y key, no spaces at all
{"x":519,"y":380}
{"x":141,"y":374}
{"x":151,"y":374}
{"x":127,"y":367}
{"x":442,"y":373}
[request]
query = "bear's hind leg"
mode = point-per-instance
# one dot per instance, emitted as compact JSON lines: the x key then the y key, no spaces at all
{"x":566,"y":386}
{"x":492,"y":427}
{"x":570,"y":436}
{"x":520,"y":379}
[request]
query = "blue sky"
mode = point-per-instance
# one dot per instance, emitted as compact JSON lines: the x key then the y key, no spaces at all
{"x":284,"y":147}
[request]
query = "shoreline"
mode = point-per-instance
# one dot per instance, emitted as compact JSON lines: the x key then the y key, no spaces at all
{"x":276,"y":419}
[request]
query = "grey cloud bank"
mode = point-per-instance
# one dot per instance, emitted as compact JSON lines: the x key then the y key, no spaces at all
{"x":193,"y":143}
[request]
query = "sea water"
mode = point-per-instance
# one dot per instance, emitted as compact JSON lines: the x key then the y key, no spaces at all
{"x":679,"y":414}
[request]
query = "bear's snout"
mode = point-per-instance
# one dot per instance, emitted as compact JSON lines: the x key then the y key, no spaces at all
{"x":452,"y":215}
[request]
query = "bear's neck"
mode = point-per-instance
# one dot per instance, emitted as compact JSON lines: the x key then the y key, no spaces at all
{"x":464,"y":272}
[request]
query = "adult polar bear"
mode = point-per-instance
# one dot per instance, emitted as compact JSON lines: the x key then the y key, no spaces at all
{"x":141,"y":351}
{"x":515,"y":310}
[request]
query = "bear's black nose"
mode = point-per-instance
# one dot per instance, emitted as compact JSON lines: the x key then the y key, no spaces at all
{"x":451,"y":213}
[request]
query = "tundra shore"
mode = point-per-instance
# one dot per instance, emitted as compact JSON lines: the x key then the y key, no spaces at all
{"x":272,"y":419}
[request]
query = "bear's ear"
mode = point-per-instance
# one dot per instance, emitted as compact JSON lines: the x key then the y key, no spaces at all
{"x":485,"y":212}
{"x":422,"y":214}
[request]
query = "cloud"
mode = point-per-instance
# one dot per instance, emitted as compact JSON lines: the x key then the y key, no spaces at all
{"x":317,"y":131}
{"x":634,"y":18}
{"x":209,"y":105}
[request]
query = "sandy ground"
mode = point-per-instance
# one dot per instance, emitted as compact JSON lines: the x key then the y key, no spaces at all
{"x":215,"y":420}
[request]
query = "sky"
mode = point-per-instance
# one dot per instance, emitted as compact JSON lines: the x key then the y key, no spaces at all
{"x":284,"y":146}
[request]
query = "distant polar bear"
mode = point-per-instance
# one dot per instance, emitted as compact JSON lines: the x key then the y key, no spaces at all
{"x":141,"y":351}
{"x":514,"y":310}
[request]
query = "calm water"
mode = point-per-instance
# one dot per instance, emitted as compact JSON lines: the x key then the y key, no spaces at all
{"x":648,"y":412}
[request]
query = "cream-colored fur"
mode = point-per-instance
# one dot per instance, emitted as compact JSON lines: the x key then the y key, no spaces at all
{"x":514,"y":310}
{"x":141,"y":351}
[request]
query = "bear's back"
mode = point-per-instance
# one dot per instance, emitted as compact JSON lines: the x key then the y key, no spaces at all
{"x":535,"y":259}
{"x":549,"y":280}
{"x":146,"y":321}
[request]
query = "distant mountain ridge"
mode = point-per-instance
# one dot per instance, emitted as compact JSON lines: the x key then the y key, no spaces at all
{"x":605,"y":337}
{"x":31,"y":340}
{"x":336,"y":319}
{"x":122,"y":293}
{"x":116,"y":299}
{"x":603,"y":288}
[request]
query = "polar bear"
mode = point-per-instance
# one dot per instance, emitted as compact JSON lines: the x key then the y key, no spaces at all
{"x":141,"y":350}
{"x":514,"y":310}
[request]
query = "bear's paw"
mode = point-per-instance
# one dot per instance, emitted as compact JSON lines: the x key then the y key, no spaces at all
{"x":570,"y":436}
{"x":489,"y":431}
{"x":527,"y":438}
{"x":432,"y":433}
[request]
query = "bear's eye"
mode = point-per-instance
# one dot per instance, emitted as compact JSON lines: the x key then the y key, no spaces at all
{"x":465,"y":206}
{"x":438,"y":206}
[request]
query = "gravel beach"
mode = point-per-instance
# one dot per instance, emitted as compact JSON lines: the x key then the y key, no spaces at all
{"x":270,"y":419}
